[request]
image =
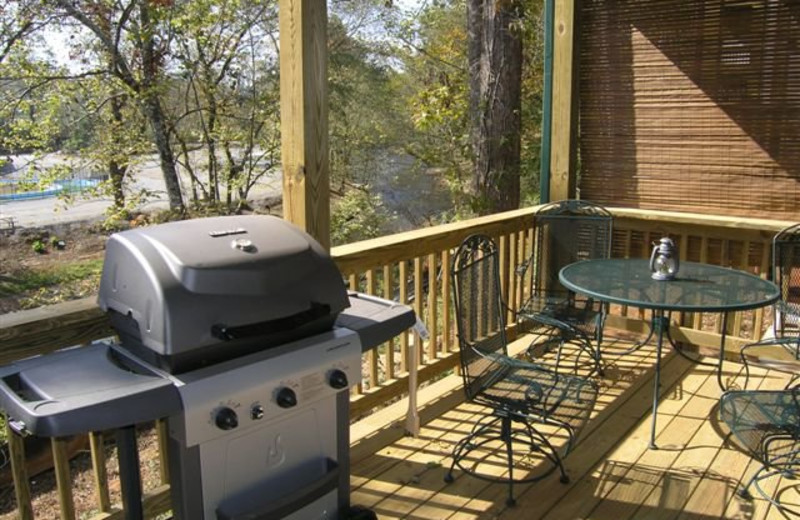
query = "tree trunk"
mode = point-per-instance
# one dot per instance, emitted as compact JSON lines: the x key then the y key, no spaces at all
{"x":474,"y":46}
{"x":117,"y":169}
{"x":151,"y":67}
{"x":155,"y":114}
{"x":497,"y":132}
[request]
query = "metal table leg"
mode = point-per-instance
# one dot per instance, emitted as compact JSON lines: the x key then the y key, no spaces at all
{"x":659,"y":322}
{"x":722,"y":351}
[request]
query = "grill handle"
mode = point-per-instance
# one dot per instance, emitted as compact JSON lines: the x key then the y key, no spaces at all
{"x":264,"y":328}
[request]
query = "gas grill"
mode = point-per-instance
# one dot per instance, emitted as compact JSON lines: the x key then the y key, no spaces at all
{"x":238,"y":329}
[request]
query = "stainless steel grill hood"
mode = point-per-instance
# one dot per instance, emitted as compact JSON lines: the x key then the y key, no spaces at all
{"x":191,"y":293}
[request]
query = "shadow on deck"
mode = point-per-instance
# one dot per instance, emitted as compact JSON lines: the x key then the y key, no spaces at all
{"x":695,"y":473}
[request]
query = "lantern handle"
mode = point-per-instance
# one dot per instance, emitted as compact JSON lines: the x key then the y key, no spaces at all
{"x":653,"y":258}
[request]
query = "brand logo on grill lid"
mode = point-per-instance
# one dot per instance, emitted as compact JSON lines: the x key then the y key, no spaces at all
{"x":227,"y":232}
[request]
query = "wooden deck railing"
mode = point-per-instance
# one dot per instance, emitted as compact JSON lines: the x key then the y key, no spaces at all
{"x":412,"y":267}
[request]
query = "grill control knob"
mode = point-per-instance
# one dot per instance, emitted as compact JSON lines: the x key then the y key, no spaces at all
{"x":286,"y":398}
{"x":226,"y":419}
{"x":338,"y":379}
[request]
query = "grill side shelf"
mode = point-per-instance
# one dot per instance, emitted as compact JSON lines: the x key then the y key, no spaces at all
{"x":84,"y":389}
{"x":375,"y":320}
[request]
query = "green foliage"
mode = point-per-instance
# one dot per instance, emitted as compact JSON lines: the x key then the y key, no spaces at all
{"x":364,"y":115}
{"x":397,"y":85}
{"x":38,"y":247}
{"x":227,"y":95}
{"x":532,"y":92}
{"x":357,"y":216}
{"x":435,"y":87}
{"x":435,"y":91}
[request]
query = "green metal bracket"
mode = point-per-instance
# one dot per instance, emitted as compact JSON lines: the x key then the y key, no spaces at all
{"x":547,"y":101}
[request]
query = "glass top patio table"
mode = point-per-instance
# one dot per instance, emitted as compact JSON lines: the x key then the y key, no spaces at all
{"x":697,"y":288}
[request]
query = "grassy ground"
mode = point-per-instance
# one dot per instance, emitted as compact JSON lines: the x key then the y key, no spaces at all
{"x":51,"y":284}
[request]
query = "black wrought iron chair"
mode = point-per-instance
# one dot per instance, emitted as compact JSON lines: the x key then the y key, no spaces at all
{"x":527,"y":404}
{"x":565,"y":232}
{"x":785,"y":341}
{"x":767,"y":424}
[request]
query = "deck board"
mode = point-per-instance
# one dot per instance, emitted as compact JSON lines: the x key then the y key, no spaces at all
{"x":695,"y":473}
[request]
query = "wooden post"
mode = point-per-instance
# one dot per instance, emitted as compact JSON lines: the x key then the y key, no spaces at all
{"x":304,"y":116}
{"x":564,"y":124}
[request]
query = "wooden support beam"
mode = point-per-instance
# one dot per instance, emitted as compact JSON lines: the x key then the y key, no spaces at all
{"x":564,"y":122}
{"x":304,"y":116}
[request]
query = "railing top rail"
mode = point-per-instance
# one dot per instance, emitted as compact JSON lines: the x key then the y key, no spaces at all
{"x":401,"y":246}
{"x":47,"y":328}
{"x":767,"y":227}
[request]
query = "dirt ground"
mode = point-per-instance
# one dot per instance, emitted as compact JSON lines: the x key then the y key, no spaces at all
{"x":82,"y":241}
{"x":43,"y":486}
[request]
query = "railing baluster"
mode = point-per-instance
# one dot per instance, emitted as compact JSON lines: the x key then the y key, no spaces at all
{"x":511,"y":295}
{"x":521,"y":255}
{"x":502,"y":245}
{"x":724,"y":260}
{"x":63,"y":480}
{"x":352,"y":282}
{"x":419,"y":293}
{"x":447,"y":321}
{"x":626,"y":253}
{"x":736,"y":328}
{"x":698,"y":316}
{"x":433,"y":306}
{"x":683,"y":254}
{"x":98,"y":453}
{"x":403,"y":275}
{"x":388,"y":292}
{"x":372,"y":355}
{"x":758,"y":327}
{"x":22,"y":488}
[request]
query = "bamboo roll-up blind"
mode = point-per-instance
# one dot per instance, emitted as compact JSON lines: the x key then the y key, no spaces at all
{"x":691,"y":105}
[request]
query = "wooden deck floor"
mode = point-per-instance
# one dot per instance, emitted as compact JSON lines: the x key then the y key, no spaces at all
{"x":694,"y":474}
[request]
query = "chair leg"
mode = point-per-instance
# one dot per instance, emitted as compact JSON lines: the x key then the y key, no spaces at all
{"x":552,"y":454}
{"x":500,"y":428}
{"x":763,"y":473}
{"x":508,"y":439}
{"x":465,"y":444}
{"x":744,"y":492}
{"x":599,"y":342}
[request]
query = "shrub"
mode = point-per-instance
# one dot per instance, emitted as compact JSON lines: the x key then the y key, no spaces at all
{"x":39,"y":247}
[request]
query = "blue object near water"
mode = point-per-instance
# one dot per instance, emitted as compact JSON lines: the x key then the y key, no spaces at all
{"x":64,"y":186}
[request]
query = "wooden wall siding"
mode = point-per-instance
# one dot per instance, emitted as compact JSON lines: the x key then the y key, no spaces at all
{"x":691,"y":105}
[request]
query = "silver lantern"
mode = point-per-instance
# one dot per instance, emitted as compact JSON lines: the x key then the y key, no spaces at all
{"x":664,"y":263}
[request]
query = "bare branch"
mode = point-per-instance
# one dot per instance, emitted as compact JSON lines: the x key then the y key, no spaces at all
{"x":120,"y":68}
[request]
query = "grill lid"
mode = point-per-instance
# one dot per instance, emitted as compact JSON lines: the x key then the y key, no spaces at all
{"x":223,"y":282}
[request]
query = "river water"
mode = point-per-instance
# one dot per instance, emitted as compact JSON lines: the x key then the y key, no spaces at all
{"x":414,"y":195}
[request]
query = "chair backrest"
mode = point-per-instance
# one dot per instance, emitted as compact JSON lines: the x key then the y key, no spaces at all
{"x":567,"y":231}
{"x":480,"y":312}
{"x":786,"y":275}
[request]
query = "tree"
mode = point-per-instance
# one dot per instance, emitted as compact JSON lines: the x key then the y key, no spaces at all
{"x":495,"y":78}
{"x":435,"y":90}
{"x":227,"y":95}
{"x":136,"y":38}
